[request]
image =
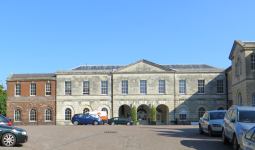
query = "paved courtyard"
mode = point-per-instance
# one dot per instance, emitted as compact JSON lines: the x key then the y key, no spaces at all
{"x":107,"y":137}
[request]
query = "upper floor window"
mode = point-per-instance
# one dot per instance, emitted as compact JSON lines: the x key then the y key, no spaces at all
{"x":161,"y":86}
{"x":85,"y":87}
{"x":182,"y":86}
{"x":253,"y":62}
{"x":201,"y":86}
{"x":143,"y":87}
{"x":220,"y":87}
{"x":240,"y":99}
{"x":33,"y":89}
{"x":17,"y":89}
{"x":124,"y":87}
{"x":104,"y":87}
{"x":48,"y":115}
{"x":17,"y":115}
{"x":253,"y":100}
{"x":68,"y":88}
{"x":48,"y":89}
{"x":68,"y":114}
{"x":32,"y":115}
{"x":239,"y":66}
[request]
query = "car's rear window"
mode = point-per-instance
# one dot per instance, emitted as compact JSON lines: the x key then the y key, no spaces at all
{"x":217,"y":115}
{"x":3,"y":119}
{"x":246,"y":116}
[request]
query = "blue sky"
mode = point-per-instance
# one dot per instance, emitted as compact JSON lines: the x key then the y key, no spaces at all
{"x":46,"y":36}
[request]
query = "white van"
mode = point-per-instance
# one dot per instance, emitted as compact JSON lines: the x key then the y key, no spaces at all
{"x":102,"y":114}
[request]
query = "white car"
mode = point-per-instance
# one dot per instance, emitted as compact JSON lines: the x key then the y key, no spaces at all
{"x":211,"y":122}
{"x":248,"y":140}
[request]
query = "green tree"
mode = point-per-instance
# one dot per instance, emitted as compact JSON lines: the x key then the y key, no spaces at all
{"x":153,"y":113}
{"x":134,"y":114}
{"x":3,"y":96}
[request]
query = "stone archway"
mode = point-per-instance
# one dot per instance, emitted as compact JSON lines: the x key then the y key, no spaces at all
{"x":162,"y":116}
{"x":143,"y":114}
{"x":125,"y":112}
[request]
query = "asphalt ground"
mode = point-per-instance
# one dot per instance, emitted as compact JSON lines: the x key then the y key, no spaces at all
{"x":108,"y":137}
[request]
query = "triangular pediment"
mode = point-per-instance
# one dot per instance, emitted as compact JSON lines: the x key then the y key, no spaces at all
{"x":237,"y":47}
{"x":144,"y":66}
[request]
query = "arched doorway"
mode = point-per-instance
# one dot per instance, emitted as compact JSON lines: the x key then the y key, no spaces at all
{"x":143,"y":114}
{"x":162,"y":116}
{"x":125,"y":112}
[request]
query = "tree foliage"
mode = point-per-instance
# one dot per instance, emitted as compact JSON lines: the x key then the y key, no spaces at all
{"x":134,"y":114}
{"x":153,"y":113}
{"x":3,"y":97}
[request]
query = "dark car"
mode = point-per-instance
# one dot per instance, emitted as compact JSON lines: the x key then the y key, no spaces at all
{"x":4,"y":121}
{"x":118,"y":120}
{"x":12,"y":135}
{"x":86,"y":119}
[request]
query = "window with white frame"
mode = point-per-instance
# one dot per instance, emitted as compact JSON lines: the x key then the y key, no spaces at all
{"x":240,"y":99}
{"x":253,"y":100}
{"x":17,"y":115}
{"x":161,"y":86}
{"x":182,"y":86}
{"x":32,"y":115}
{"x":253,"y":62}
{"x":85,"y":110}
{"x":68,"y":88}
{"x":48,"y":115}
{"x":201,"y":86}
{"x":48,"y":89}
{"x":201,"y":112}
{"x":85,"y":87}
{"x":143,"y":87}
{"x":183,"y":114}
{"x":220,"y":87}
{"x":33,"y":89}
{"x":104,"y":87}
{"x":68,"y":114}
{"x":17,"y":89}
{"x":124,"y":87}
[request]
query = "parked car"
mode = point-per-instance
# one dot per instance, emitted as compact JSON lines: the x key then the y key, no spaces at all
{"x":4,"y":121}
{"x":212,"y":122}
{"x":237,"y":121}
{"x":102,"y":114}
{"x":118,"y":120}
{"x":12,"y":135}
{"x":248,"y":140}
{"x":86,"y":119}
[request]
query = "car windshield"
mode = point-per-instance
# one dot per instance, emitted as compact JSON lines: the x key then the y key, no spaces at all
{"x":217,"y":115}
{"x":246,"y":116}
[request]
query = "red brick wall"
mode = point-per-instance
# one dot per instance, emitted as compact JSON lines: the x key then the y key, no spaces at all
{"x":25,"y":102}
{"x":25,"y":88}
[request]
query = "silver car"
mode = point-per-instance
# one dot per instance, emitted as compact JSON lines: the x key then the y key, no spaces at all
{"x":211,"y":122}
{"x":248,"y":140}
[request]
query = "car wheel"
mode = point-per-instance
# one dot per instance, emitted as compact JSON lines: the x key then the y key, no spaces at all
{"x":224,"y":139}
{"x":76,"y":123}
{"x":200,"y":130}
{"x":8,"y":139}
{"x":210,"y":132}
{"x":95,"y":123}
{"x":235,"y":143}
{"x":128,"y":123}
{"x":112,"y":123}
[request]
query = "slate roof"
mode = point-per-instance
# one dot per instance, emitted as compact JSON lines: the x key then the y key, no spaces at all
{"x":170,"y":66}
{"x":31,"y":76}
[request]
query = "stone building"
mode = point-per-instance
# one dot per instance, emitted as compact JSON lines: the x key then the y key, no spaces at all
{"x":31,"y":99}
{"x":182,"y":92}
{"x":241,"y":75}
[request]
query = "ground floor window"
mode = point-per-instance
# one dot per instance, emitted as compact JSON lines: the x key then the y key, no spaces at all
{"x":17,"y":115}
{"x":32,"y":115}
{"x":183,"y":113}
{"x":68,"y":113}
{"x":201,"y":112}
{"x":85,"y":110}
{"x":48,"y":115}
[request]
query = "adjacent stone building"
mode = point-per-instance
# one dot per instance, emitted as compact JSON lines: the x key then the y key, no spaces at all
{"x":31,"y":99}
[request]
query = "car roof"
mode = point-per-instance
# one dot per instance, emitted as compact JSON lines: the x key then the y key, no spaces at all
{"x":217,"y":111}
{"x":246,"y":108}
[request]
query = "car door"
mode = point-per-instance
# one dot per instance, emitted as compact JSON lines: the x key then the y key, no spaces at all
{"x":204,"y":120}
{"x":232,"y":125}
{"x":227,"y":121}
{"x":122,"y":121}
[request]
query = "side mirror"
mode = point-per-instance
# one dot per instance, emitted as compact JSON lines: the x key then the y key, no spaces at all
{"x":232,"y":120}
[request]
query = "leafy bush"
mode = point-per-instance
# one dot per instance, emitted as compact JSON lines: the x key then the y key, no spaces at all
{"x":153,"y":113}
{"x":3,"y":97}
{"x":134,"y":114}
